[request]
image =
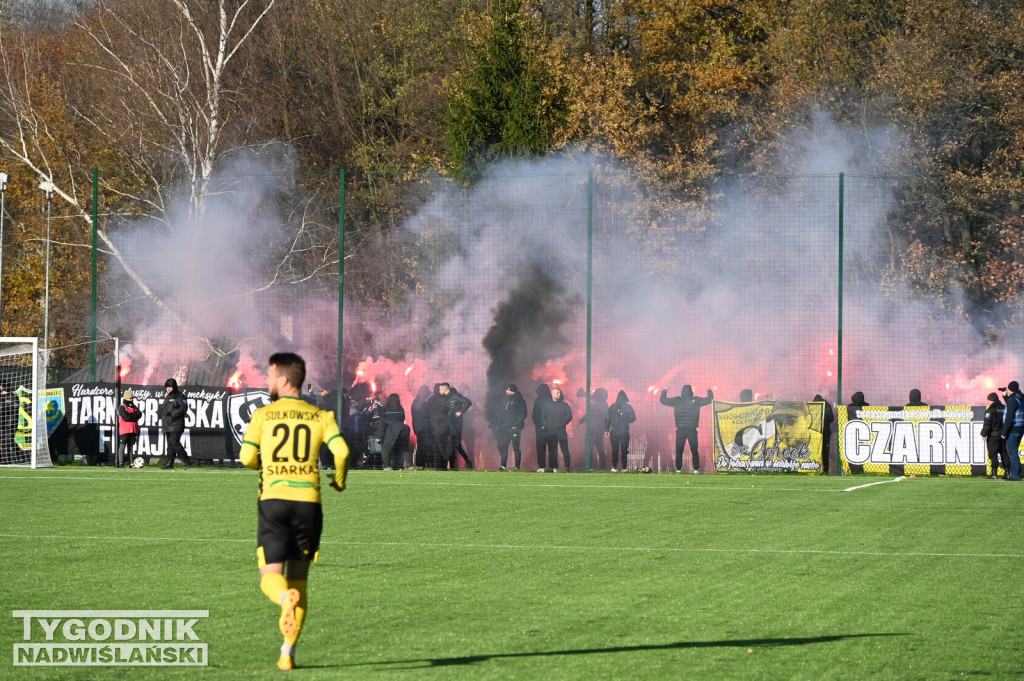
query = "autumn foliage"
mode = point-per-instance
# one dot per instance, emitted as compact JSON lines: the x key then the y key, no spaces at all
{"x":683,"y":93}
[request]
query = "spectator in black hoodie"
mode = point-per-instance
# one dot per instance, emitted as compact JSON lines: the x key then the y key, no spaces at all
{"x":858,"y":400}
{"x":598,"y":406}
{"x":421,"y":427}
{"x":396,"y":434}
{"x":915,"y":399}
{"x":172,"y":412}
{"x":616,"y":425}
{"x":440,"y":425}
{"x":687,"y":417}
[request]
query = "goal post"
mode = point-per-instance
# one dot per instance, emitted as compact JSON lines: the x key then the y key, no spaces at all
{"x":23,"y":404}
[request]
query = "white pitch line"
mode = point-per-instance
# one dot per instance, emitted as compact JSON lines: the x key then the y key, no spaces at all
{"x":521,"y":547}
{"x":667,"y":486}
{"x":92,"y":478}
{"x":850,"y":489}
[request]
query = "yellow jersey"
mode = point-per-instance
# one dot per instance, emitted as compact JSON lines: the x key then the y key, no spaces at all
{"x":283,"y":442}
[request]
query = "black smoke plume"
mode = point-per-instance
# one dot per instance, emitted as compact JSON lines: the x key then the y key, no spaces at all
{"x":526,"y":332}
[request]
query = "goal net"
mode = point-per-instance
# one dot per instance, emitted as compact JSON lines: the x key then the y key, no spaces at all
{"x":23,"y":408}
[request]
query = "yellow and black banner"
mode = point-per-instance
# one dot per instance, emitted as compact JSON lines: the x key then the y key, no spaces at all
{"x":770,"y":436}
{"x":930,"y":440}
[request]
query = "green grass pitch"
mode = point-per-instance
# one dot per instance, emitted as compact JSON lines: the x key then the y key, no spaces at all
{"x":484,"y":575}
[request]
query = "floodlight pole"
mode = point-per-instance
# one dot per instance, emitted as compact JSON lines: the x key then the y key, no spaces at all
{"x":3,"y":195}
{"x":47,"y":187}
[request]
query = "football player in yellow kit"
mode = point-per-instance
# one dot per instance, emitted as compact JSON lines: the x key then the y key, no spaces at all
{"x":283,"y":442}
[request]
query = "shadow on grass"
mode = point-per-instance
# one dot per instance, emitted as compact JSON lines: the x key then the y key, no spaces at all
{"x":680,"y":645}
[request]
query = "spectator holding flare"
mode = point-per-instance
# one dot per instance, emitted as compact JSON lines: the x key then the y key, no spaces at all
{"x":282,"y":441}
{"x":687,"y":417}
{"x":991,"y":430}
{"x":1013,"y":426}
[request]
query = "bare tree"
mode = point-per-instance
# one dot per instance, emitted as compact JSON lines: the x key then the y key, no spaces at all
{"x":151,"y":95}
{"x":170,"y":81}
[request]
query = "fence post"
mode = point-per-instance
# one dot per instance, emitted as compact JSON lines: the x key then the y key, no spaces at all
{"x":839,"y":330}
{"x":590,"y":303}
{"x":95,"y":231}
{"x":341,"y":294}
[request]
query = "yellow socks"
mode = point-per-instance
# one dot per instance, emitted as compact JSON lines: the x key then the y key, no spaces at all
{"x":273,"y":585}
{"x":291,"y":596}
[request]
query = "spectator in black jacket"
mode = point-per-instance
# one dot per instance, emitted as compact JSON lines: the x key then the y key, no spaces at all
{"x":991,"y":430}
{"x":556,"y":415}
{"x":172,"y":412}
{"x":826,"y":433}
{"x":440,"y":425}
{"x":456,"y":408}
{"x":616,"y":425}
{"x":421,"y":427}
{"x":687,"y":418}
{"x":1013,"y":426}
{"x":510,"y":426}
{"x":543,"y":398}
{"x":396,"y":434}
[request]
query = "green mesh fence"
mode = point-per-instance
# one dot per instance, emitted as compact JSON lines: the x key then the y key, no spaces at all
{"x":554,"y":273}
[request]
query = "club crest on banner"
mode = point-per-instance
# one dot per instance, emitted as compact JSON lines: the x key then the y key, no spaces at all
{"x":53,"y":399}
{"x":241,"y":407}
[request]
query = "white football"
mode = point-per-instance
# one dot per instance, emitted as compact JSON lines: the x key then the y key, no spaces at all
{"x":138,"y":462}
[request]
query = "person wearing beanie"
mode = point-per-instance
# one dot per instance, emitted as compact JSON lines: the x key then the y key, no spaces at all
{"x":510,"y":426}
{"x":991,"y":428}
{"x":128,"y":416}
{"x":172,"y":412}
{"x":1013,"y":426}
